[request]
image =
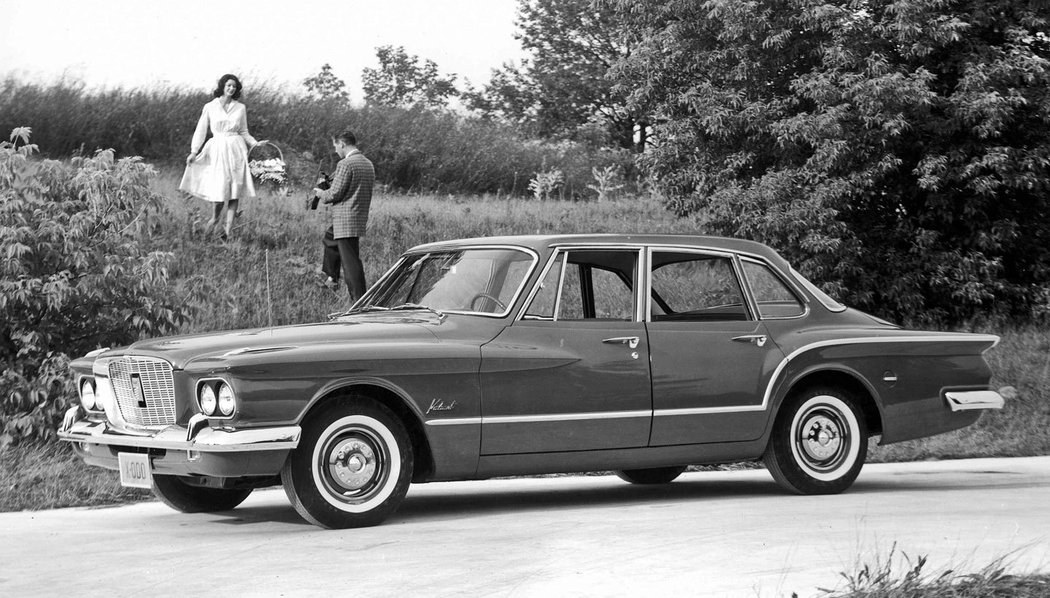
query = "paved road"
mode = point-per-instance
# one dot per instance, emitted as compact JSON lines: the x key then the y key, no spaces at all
{"x":707,"y":534}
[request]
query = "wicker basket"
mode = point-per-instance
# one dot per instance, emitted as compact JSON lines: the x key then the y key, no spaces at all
{"x":266,"y":163}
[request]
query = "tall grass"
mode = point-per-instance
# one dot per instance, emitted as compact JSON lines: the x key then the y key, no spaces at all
{"x":413,"y":150}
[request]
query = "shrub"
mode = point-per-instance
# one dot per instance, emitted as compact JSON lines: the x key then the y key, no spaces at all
{"x":74,"y":275}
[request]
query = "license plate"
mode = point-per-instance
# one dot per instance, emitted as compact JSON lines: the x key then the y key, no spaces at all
{"x":135,"y":470}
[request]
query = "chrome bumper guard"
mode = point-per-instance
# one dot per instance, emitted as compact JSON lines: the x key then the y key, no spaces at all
{"x":966,"y":400}
{"x":197,"y":436}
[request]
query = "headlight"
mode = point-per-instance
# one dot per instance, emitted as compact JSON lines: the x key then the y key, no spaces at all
{"x":226,"y":400}
{"x":87,"y":396}
{"x":207,"y":399}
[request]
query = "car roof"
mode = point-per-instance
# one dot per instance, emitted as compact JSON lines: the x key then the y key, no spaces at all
{"x":540,"y":243}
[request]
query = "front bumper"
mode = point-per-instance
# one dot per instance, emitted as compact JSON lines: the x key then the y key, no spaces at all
{"x":196,"y":449}
{"x":197,"y":436}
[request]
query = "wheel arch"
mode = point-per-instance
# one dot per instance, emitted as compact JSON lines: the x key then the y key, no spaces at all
{"x":842,"y":378}
{"x":394,"y":398}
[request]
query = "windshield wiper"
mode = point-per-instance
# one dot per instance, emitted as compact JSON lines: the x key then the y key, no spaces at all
{"x":405,"y":306}
{"x":402,"y":307}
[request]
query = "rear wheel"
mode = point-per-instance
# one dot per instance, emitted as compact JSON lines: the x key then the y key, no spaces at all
{"x":653,"y":475}
{"x":352,"y":467}
{"x":180,"y":495}
{"x":819,"y":442}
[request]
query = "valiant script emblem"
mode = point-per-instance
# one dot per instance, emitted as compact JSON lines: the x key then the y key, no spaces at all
{"x":440,"y":405}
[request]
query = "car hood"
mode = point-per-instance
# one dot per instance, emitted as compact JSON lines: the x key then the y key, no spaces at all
{"x":364,"y":329}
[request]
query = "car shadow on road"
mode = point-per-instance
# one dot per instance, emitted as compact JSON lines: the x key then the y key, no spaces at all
{"x":451,"y":502}
{"x":538,"y":497}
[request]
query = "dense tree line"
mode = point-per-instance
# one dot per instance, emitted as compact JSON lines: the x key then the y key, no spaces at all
{"x":898,"y":151}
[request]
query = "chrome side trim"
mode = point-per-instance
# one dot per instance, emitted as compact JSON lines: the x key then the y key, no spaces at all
{"x":564,"y":417}
{"x":455,"y":421}
{"x":536,"y":419}
{"x":207,"y":440}
{"x":708,"y":410}
{"x":967,"y":400}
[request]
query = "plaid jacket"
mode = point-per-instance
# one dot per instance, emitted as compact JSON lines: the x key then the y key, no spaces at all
{"x":350,"y":195}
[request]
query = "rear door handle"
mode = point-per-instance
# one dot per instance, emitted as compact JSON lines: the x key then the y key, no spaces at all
{"x":758,"y":339}
{"x":630,"y":341}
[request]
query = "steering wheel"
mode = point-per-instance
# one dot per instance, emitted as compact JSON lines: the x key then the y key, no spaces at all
{"x":495,"y":300}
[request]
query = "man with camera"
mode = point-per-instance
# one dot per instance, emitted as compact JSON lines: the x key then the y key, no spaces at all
{"x":350,"y":195}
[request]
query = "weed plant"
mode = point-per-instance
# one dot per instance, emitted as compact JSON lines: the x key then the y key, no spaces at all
{"x":899,"y":575}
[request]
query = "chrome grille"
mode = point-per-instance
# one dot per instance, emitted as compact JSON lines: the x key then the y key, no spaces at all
{"x":144,"y":389}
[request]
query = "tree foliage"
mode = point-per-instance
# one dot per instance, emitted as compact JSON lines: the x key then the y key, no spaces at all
{"x":326,"y":86}
{"x":401,"y":81}
{"x":74,"y":275}
{"x":563,"y":86}
{"x":897,"y":150}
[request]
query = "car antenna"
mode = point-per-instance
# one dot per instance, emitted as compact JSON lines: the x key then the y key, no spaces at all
{"x":269,"y":298}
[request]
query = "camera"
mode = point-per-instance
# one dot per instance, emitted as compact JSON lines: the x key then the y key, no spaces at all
{"x":323,"y":182}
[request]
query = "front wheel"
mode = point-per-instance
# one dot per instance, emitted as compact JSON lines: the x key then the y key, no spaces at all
{"x":652,"y":475}
{"x":175,"y":492}
{"x":352,"y":467}
{"x":819,"y":442}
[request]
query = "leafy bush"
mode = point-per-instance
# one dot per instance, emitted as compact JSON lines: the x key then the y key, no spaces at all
{"x":74,"y":275}
{"x":897,"y":151}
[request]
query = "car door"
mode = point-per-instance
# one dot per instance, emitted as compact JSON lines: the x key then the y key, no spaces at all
{"x":572,"y":373}
{"x":712,"y":357}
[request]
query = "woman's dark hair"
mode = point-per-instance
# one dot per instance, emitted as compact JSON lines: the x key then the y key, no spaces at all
{"x":222,"y":84}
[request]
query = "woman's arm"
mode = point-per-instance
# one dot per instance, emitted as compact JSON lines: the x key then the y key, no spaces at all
{"x":242,"y":128}
{"x":200,"y":132}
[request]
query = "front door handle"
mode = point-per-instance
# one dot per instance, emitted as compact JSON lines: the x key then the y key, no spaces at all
{"x":630,"y":341}
{"x":758,"y":339}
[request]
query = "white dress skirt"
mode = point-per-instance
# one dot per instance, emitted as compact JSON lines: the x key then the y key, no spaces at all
{"x":220,"y":170}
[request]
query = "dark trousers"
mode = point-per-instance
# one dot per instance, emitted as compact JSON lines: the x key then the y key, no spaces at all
{"x":330,"y":263}
{"x":353,"y":269}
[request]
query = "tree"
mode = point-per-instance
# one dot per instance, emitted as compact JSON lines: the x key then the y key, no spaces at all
{"x":898,"y":151}
{"x":563,"y":85}
{"x":76,"y":275}
{"x":326,"y":86}
{"x":400,"y":81}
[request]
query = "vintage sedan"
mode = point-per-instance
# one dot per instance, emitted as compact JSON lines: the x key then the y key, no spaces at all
{"x":468,"y":359}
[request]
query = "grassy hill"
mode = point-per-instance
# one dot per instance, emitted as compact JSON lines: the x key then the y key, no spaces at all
{"x":269,"y":272}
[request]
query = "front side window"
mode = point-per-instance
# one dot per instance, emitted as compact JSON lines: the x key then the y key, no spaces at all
{"x":587,"y":285}
{"x":466,"y":280}
{"x":695,"y":287}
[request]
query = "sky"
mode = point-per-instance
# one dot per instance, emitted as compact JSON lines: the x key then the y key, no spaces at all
{"x":144,"y":43}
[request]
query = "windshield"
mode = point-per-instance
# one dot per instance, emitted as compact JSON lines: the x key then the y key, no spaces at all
{"x":482,"y":280}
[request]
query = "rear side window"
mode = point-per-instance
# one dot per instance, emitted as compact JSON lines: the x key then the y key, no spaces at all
{"x":695,"y":287}
{"x":774,"y":298}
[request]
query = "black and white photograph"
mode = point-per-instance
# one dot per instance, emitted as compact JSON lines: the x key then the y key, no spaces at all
{"x":525,"y":298}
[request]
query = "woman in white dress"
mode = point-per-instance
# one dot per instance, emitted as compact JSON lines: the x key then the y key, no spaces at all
{"x":217,"y":171}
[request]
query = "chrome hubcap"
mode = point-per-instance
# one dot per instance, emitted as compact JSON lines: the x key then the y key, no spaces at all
{"x":352,"y":464}
{"x":821,"y":438}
